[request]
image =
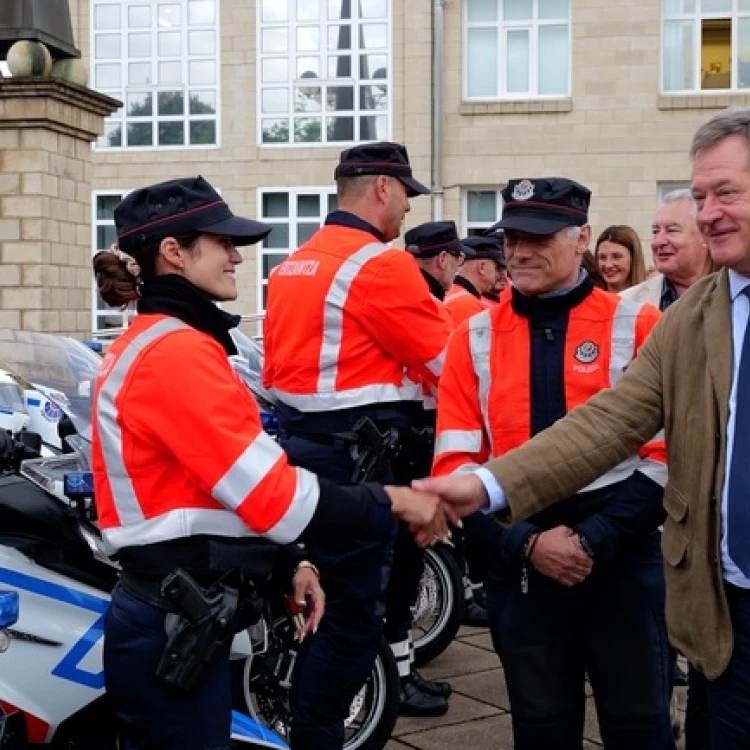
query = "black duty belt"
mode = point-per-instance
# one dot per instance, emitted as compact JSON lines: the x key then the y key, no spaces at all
{"x":147,"y":590}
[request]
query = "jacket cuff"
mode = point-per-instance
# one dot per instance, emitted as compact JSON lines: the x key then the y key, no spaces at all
{"x":600,"y":534}
{"x":514,"y":539}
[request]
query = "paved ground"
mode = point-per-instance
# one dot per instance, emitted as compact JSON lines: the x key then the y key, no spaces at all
{"x":479,"y":716}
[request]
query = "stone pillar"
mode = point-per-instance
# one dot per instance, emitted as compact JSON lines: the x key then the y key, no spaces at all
{"x":46,"y":129}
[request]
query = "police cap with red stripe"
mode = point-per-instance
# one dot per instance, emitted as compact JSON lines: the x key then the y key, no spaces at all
{"x":180,"y":207}
{"x":434,"y":237}
{"x":544,"y":205}
{"x":380,"y":158}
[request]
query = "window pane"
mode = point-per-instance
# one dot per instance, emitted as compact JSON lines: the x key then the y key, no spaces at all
{"x":340,"y":128}
{"x":106,"y":236}
{"x":743,"y":53}
{"x":202,"y":12}
{"x":108,"y":76}
{"x":339,"y":10}
{"x":169,"y":16}
{"x":339,"y":37}
{"x":308,"y":205}
{"x":553,"y":9}
{"x":553,"y":59}
{"x":481,"y":11}
{"x":307,"y":99}
{"x":517,"y":61}
{"x":201,"y":72}
{"x":171,"y":103}
{"x":274,"y":70}
{"x":481,"y":74}
{"x":308,"y":67}
{"x":170,"y":72}
{"x":271,"y":260}
{"x":106,"y":17}
{"x":107,"y":46}
{"x":373,"y":97}
{"x":273,"y":10}
{"x":306,"y":230}
{"x":140,"y":134}
{"x":307,"y":10}
{"x":373,"y":128}
{"x":139,"y":16}
{"x":517,"y":10}
{"x":481,"y":206}
{"x":105,"y":209}
{"x":275,"y":131}
{"x":279,"y":237}
{"x":679,"y":6}
{"x":744,"y":4}
{"x":140,"y":105}
{"x":139,"y":45}
{"x":716,"y":64}
{"x":274,"y":101}
{"x":202,"y":102}
{"x":373,"y":66}
{"x":373,"y":36}
{"x":307,"y":130}
{"x":202,"y":43}
{"x":678,"y":55}
{"x":274,"y":40}
{"x":112,"y":135}
{"x":139,"y":73}
{"x":340,"y":98}
{"x":275,"y":205}
{"x":169,"y":44}
{"x":333,"y":202}
{"x":308,"y":38}
{"x":372,"y":8}
{"x":171,"y":133}
{"x":340,"y":66}
{"x":716,"y":6}
{"x":203,"y":132}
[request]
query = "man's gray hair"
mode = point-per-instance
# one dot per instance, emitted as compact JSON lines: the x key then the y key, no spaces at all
{"x":573,"y":233}
{"x":730,"y":121}
{"x":678,"y":196}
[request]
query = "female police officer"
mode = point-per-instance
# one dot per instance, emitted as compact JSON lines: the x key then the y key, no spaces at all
{"x":186,"y":481}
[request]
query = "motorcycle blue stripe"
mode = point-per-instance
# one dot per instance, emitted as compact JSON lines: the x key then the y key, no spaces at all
{"x":244,"y":726}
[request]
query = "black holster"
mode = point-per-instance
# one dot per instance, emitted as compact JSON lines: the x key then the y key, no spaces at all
{"x":372,"y":451}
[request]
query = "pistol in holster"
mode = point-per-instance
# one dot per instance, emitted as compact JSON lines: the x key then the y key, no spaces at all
{"x":205,"y":622}
{"x":372,"y":450}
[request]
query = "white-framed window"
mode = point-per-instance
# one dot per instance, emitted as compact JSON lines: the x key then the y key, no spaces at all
{"x":705,"y":45}
{"x":483,"y":207}
{"x":161,"y":59}
{"x":103,"y":233}
{"x":516,"y":49}
{"x":664,"y":188}
{"x":295,"y":214}
{"x":324,"y":71}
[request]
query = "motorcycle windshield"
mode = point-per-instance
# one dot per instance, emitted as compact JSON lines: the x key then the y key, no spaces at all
{"x":59,"y":367}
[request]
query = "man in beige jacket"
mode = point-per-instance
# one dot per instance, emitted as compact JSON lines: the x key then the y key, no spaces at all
{"x":692,"y":377}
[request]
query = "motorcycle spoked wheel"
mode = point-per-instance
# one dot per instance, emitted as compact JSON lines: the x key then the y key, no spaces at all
{"x":439,"y":609}
{"x":265,"y":685}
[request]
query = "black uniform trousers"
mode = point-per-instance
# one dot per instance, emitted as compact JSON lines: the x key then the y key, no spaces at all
{"x":334,"y":663}
{"x":610,"y":627}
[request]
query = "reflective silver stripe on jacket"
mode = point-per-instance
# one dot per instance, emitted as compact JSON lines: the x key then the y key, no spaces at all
{"x":333,"y":313}
{"x":458,"y":441}
{"x":126,"y":503}
{"x":623,"y":338}
{"x":480,"y":344}
{"x":435,"y":366}
{"x":362,"y":396}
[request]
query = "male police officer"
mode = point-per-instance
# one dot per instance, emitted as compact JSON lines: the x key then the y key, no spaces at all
{"x":477,"y":276}
{"x":578,"y":588}
{"x":346,"y":317}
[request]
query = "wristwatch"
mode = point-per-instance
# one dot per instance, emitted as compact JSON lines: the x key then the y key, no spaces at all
{"x":586,"y":546}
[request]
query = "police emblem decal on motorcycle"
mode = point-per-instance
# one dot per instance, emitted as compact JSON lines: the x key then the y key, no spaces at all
{"x":587,"y":352}
{"x":523,"y":191}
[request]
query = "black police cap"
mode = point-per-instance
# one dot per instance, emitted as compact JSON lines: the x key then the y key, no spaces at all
{"x":485,"y":247}
{"x":433,"y":238}
{"x":179,"y":207}
{"x":544,"y":205}
{"x":380,"y":158}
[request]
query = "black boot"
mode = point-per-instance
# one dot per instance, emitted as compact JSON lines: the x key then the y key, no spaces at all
{"x":413,"y":702}
{"x":475,"y":615}
{"x":431,"y":687}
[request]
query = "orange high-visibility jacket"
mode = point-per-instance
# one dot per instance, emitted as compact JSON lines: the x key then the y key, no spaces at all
{"x":484,"y":398}
{"x":462,"y":304}
{"x":346,"y":317}
{"x":174,"y":451}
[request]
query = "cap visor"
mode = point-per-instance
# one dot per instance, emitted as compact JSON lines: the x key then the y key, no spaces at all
{"x":467,"y":251}
{"x":240,"y":231}
{"x":532,"y":224}
{"x":414,"y":187}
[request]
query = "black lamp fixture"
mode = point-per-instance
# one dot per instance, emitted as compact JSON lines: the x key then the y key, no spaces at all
{"x":46,"y":21}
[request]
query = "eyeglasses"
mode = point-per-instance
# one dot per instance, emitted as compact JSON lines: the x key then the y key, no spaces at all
{"x":458,"y":255}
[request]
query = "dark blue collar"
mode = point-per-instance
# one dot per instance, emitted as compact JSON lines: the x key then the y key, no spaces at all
{"x":668,"y":294}
{"x":347,"y":219}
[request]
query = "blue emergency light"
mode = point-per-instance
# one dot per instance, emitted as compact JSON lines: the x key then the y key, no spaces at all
{"x":8,"y":608}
